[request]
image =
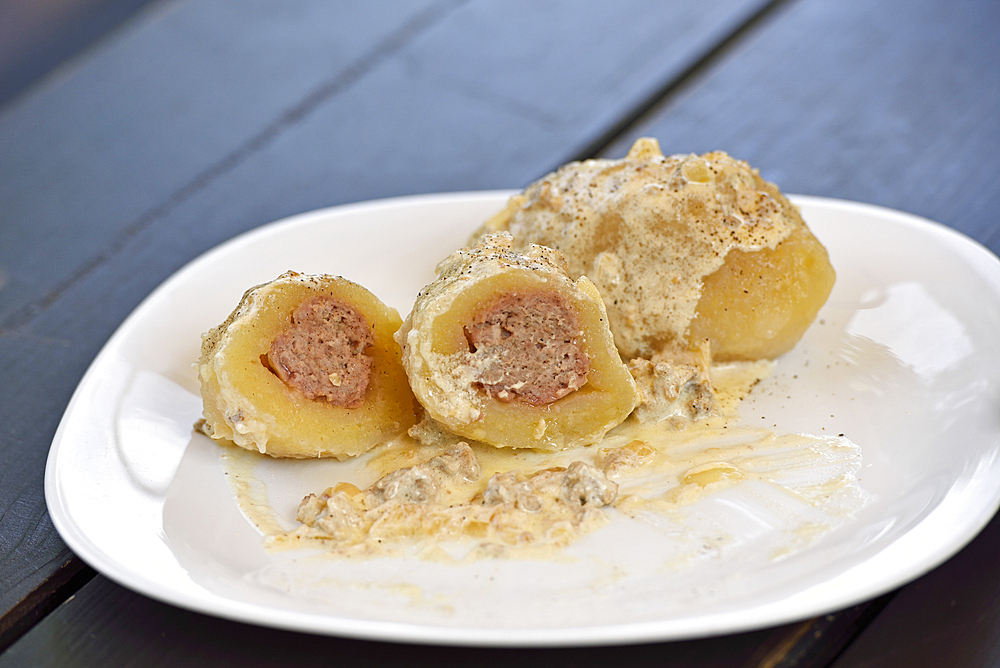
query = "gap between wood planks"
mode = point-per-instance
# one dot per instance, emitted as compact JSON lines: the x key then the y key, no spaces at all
{"x":60,"y":587}
{"x":673,"y":88}
{"x":820,"y":641}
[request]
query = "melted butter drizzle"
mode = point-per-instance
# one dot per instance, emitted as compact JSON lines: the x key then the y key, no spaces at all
{"x":250,"y":492}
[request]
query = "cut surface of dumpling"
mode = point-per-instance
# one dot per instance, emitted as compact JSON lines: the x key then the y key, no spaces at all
{"x":306,"y":366}
{"x":505,"y":349}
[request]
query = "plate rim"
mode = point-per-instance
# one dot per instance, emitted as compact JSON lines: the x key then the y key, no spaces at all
{"x":382,"y":630}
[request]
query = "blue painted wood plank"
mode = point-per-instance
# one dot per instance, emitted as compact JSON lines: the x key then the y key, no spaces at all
{"x":90,"y":156}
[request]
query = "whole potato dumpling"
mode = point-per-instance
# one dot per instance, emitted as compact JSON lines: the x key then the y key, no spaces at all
{"x":758,"y":305}
{"x":682,"y":249}
{"x":306,"y":366}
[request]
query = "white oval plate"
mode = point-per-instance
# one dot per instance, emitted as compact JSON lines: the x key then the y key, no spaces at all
{"x":903,"y":360}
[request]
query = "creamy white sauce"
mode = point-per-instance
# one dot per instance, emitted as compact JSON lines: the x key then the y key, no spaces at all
{"x":803,"y":486}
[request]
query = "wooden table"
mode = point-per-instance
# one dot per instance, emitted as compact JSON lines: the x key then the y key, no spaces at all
{"x":194,"y":121}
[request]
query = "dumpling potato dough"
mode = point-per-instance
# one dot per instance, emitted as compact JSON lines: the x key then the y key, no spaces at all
{"x":682,"y":249}
{"x":306,"y":366}
{"x":505,"y":349}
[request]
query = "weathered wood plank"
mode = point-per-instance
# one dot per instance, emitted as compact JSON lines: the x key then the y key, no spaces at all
{"x":36,"y":37}
{"x":94,"y":153}
{"x":201,"y":123}
{"x":62,"y":580}
{"x":167,"y":108}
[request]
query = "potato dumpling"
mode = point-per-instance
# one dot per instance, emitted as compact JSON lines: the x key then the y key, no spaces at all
{"x":505,"y":349}
{"x":306,"y":366}
{"x":758,"y":305}
{"x":681,"y":248}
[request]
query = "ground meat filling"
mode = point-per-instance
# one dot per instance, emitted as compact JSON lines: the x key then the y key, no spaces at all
{"x":526,"y":347}
{"x":321,"y":354}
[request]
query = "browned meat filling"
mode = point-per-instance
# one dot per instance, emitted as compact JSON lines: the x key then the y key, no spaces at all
{"x":580,"y":485}
{"x":421,"y":483}
{"x":526,"y":347}
{"x":321,"y":354}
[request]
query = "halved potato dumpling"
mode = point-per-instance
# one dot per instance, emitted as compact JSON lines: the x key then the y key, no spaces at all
{"x":306,"y":366}
{"x":505,"y":349}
